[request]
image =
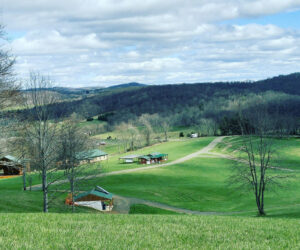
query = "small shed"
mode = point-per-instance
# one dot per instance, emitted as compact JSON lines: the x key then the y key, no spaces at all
{"x":11,"y":165}
{"x":129,"y":158}
{"x":91,"y":156}
{"x":153,"y":158}
{"x":97,"y":198}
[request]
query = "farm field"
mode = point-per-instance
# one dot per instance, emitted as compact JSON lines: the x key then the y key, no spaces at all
{"x":13,"y":199}
{"x":174,"y":149}
{"x":200,"y":184}
{"x":95,"y":231}
{"x":286,"y":150}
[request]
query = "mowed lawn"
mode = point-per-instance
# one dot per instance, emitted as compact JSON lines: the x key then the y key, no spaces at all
{"x":174,"y":149}
{"x":199,"y":184}
{"x":96,"y":231}
{"x":202,"y":184}
{"x":286,"y":150}
{"x":14,"y":199}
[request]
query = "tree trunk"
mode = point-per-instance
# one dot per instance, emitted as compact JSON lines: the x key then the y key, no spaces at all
{"x":24,"y":179}
{"x":45,"y":191}
{"x":166,"y":136}
{"x":72,"y":189}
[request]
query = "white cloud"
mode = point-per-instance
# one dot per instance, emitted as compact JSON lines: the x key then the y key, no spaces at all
{"x":112,"y":41}
{"x":53,"y":42}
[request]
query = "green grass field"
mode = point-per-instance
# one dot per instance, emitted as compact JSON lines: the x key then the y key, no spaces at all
{"x":14,"y":199}
{"x":199,"y":184}
{"x":286,"y":150}
{"x":174,"y":149}
{"x":88,"y":231}
{"x":144,"y":209}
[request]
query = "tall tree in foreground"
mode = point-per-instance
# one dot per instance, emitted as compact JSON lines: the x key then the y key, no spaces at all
{"x":258,"y":150}
{"x":9,"y":89}
{"x":41,"y":131}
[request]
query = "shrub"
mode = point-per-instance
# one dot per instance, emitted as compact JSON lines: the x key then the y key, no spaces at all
{"x":181,"y":134}
{"x":89,"y":119}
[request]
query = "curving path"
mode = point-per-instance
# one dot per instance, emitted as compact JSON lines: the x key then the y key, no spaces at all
{"x":122,"y":206}
{"x":204,"y":150}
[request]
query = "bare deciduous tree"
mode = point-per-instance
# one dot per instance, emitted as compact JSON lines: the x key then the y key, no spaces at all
{"x":9,"y":89}
{"x":129,"y":136}
{"x":165,"y":125}
{"x":41,"y":131}
{"x":258,"y":149}
{"x":145,"y":120}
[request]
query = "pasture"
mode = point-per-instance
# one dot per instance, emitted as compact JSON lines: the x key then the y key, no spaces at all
{"x":202,"y":184}
{"x":199,"y":184}
{"x":174,"y":149}
{"x":14,"y":199}
{"x":286,"y":150}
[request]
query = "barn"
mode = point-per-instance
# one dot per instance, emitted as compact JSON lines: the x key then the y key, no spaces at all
{"x":91,"y":156}
{"x":97,"y":198}
{"x":10,"y":165}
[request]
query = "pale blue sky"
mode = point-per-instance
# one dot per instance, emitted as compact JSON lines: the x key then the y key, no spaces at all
{"x":286,"y":19}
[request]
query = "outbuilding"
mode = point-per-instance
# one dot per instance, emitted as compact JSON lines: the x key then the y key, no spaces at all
{"x":91,"y":156}
{"x":97,"y":198}
{"x":11,"y":165}
{"x":153,"y":158}
{"x":129,"y":158}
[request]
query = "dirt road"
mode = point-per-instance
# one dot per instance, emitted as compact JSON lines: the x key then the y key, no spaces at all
{"x":204,"y":150}
{"x":122,"y":206}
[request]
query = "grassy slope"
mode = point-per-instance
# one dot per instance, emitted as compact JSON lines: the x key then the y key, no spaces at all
{"x":144,"y":209}
{"x":196,"y":184}
{"x":199,"y":184}
{"x":13,"y":199}
{"x":54,"y":231}
{"x":175,"y":149}
{"x":287,"y":150}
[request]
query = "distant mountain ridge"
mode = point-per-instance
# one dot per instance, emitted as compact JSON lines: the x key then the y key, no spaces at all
{"x":186,"y":101}
{"x":91,"y":90}
{"x":127,"y":85}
